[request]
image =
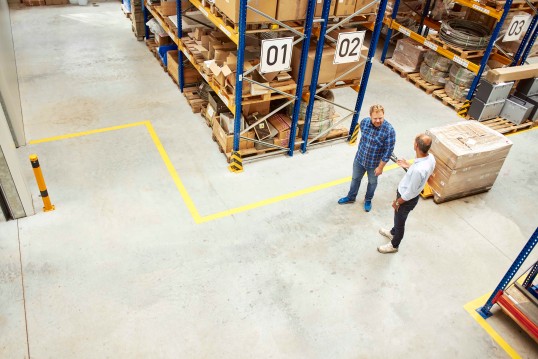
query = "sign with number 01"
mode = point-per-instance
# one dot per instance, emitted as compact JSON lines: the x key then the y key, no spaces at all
{"x":517,"y":27}
{"x":276,"y":55}
{"x":348,"y":47}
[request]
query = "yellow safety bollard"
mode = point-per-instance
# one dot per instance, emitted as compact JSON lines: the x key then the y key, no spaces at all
{"x":41,"y":184}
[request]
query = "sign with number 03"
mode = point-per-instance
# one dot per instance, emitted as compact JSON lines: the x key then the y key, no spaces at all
{"x":276,"y":55}
{"x":517,"y":27}
{"x":348,"y":47}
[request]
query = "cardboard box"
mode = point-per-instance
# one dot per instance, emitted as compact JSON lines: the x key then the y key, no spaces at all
{"x":327,"y":71}
{"x":370,"y":9}
{"x":227,"y":122}
{"x":163,"y":40}
{"x":409,"y":53}
{"x":56,"y":2}
{"x":467,"y":143}
{"x":506,"y":74}
{"x":345,"y":7}
{"x":217,"y":104}
{"x":172,"y":64}
{"x":168,"y":8}
{"x":231,"y":9}
{"x":319,"y":8}
{"x":291,"y":10}
{"x":356,"y":74}
{"x":226,"y":141}
{"x":282,"y":123}
{"x":262,"y":108}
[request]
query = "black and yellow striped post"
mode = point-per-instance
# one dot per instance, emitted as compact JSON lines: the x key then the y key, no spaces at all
{"x":462,"y":112}
{"x":236,"y":162}
{"x":354,"y":136}
{"x":41,"y":184}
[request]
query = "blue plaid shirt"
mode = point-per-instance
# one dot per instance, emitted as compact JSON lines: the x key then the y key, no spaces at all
{"x":376,"y":144}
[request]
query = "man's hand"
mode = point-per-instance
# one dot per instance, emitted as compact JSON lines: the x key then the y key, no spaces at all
{"x":378,"y":171}
{"x":403,"y":163}
{"x":395,"y":205}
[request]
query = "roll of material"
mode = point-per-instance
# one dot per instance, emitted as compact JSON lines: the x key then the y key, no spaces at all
{"x":432,"y":75}
{"x":436,"y":61}
{"x":465,"y":34}
{"x":456,"y":92}
{"x":322,"y":114}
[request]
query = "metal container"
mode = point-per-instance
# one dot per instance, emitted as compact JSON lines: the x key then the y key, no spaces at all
{"x":481,"y":111}
{"x":516,"y":110}
{"x":533,"y":116}
{"x":488,"y":92}
{"x":528,"y":87}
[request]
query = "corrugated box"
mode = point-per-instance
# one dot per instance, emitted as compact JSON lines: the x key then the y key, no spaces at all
{"x":291,"y":10}
{"x":450,"y":183}
{"x":226,"y":141}
{"x":231,"y":9}
{"x":514,"y":73}
{"x":319,"y":8}
{"x":468,"y":143}
{"x":172,"y":64}
{"x":356,"y":74}
{"x":409,"y":53}
{"x":327,"y":70}
{"x":282,"y":123}
{"x":168,"y":8}
{"x":345,"y":7}
{"x":372,"y":8}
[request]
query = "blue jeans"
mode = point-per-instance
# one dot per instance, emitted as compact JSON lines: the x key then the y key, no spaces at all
{"x":358,"y":172}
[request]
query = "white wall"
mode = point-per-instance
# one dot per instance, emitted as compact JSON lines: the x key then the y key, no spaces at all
{"x":9,"y":84}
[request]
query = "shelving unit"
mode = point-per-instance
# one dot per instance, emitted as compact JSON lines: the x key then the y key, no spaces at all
{"x":518,"y":300}
{"x":301,"y":30}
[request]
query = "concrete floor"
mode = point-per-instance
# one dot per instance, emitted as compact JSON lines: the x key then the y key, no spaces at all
{"x":121,"y":269}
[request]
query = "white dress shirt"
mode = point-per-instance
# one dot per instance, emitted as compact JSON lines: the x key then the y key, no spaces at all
{"x":414,"y":180}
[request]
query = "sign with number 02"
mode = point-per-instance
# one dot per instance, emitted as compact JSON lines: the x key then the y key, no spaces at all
{"x":276,"y":55}
{"x":517,"y":27}
{"x":348,"y":47}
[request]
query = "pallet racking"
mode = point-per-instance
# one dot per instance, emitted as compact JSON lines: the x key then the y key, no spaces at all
{"x":302,"y":31}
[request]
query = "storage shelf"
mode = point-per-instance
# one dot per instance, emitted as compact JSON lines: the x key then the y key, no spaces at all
{"x":217,"y":21}
{"x":158,"y":17}
{"x":494,"y":13}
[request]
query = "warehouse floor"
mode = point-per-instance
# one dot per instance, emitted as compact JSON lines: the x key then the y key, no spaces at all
{"x":156,"y":250}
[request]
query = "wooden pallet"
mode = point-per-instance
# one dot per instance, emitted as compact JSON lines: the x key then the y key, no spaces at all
{"x":126,"y":12}
{"x":503,"y":126}
{"x":138,"y":37}
{"x":439,"y":200}
{"x":461,"y":52}
{"x":152,"y":46}
{"x":422,"y":84}
{"x":342,"y":84}
{"x":403,"y":71}
{"x":34,"y":2}
{"x":442,"y":96}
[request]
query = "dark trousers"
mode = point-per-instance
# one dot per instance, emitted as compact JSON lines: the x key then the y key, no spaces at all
{"x":400,"y":217}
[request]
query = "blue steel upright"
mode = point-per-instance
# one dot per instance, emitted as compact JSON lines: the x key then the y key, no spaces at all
{"x":524,"y":42}
{"x":530,"y":44}
{"x":368,"y":66}
{"x":239,"y":72}
{"x":180,"y":65}
{"x":489,"y":48}
{"x":315,"y":74}
{"x":145,"y":15}
{"x":527,"y":249}
{"x":302,"y":69}
{"x":389,"y":31}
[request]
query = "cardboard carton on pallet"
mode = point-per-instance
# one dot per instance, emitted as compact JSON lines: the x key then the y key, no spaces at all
{"x":469,"y":157}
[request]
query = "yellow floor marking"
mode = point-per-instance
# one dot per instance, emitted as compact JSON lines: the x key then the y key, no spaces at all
{"x":518,"y":132}
{"x":181,"y":187}
{"x":86,"y":133}
{"x":471,"y":309}
{"x":177,"y":180}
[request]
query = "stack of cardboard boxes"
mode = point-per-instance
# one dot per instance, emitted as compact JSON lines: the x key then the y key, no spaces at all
{"x":469,"y":157}
{"x":408,"y":55}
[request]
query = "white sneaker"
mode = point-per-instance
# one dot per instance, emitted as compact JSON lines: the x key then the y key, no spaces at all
{"x":386,"y":233}
{"x":387,"y":248}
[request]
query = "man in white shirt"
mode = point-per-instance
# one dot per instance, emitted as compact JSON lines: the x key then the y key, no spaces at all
{"x":408,"y":191}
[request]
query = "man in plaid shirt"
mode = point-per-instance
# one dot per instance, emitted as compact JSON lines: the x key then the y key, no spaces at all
{"x":375,"y":148}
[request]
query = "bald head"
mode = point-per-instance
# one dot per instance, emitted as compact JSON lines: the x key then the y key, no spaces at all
{"x":424,"y":143}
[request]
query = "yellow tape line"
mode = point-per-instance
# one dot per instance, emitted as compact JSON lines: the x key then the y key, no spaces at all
{"x":86,"y":133}
{"x":177,"y":180}
{"x":471,"y":309}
